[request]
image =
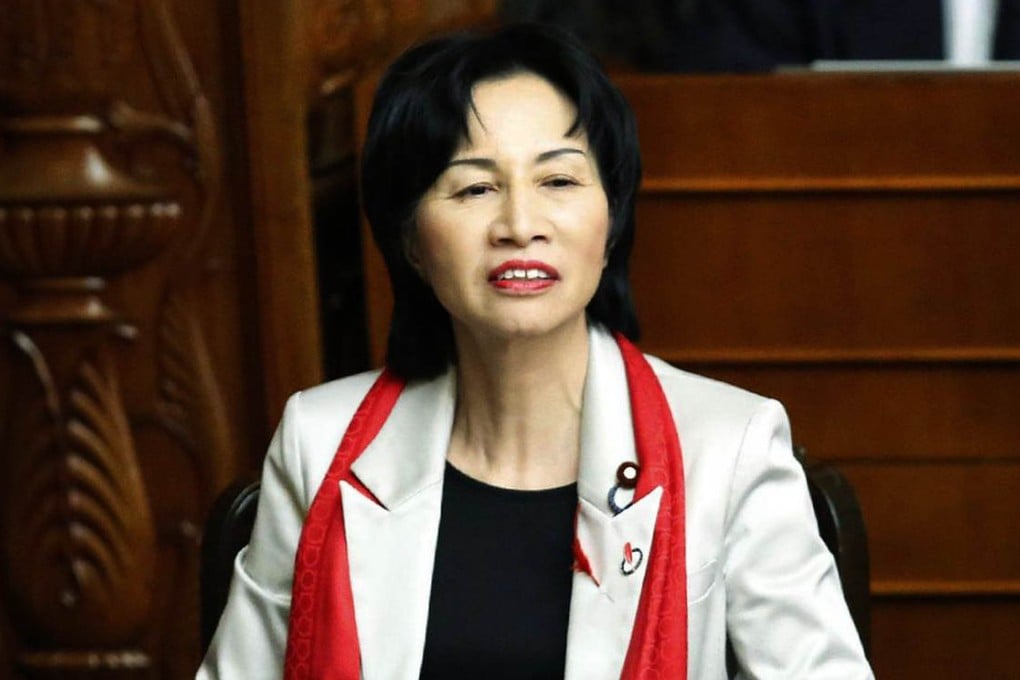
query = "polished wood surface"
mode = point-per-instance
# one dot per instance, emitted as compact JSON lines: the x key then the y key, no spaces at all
{"x":847,"y":244}
{"x":959,"y":637}
{"x":275,"y":66}
{"x":884,"y":130}
{"x":889,"y":275}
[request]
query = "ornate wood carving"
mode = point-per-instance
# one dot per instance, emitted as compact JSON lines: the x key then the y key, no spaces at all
{"x":350,"y":37}
{"x":189,"y":404}
{"x":99,"y":183}
{"x":77,"y":535}
{"x":343,"y":30}
{"x":75,"y":506}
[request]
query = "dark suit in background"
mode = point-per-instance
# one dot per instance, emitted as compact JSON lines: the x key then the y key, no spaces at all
{"x":758,"y":35}
{"x":914,"y":29}
{"x":1007,"y":30}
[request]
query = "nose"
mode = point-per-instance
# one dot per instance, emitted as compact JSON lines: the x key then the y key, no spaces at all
{"x":520,"y":221}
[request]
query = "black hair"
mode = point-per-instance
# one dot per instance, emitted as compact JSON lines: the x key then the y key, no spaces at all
{"x":419,"y":118}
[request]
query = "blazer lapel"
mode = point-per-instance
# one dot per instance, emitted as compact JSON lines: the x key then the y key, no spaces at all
{"x":391,"y":544}
{"x":603,"y":603}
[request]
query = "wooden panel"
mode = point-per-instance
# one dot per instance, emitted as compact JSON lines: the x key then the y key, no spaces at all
{"x":893,"y":412}
{"x":279,"y":197}
{"x":919,"y":639}
{"x":835,"y":127}
{"x":943,"y":527}
{"x":830,"y":276}
{"x":847,"y":243}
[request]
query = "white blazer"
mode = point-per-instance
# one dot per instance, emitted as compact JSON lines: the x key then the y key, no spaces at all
{"x":758,"y":575}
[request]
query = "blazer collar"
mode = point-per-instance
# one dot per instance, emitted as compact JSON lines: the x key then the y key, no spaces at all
{"x":607,"y":434}
{"x":409,"y":453}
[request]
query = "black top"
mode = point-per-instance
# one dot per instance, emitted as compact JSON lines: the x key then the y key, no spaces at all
{"x":501,"y":584}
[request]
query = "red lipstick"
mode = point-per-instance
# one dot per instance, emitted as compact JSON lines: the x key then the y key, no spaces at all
{"x":523,"y":276}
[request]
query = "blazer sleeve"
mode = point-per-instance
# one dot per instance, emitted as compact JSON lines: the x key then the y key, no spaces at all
{"x":785,"y":612}
{"x":251,"y":638}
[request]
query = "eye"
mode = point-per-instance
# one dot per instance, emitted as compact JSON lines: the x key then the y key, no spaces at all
{"x":560,"y":182}
{"x":474,"y":191}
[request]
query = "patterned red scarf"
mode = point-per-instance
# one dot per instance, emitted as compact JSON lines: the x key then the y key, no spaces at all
{"x":322,"y":642}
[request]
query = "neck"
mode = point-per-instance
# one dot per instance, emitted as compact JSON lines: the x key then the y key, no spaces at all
{"x":518,"y":418}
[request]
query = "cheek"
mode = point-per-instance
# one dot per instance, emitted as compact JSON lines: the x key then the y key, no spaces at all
{"x":440,"y":263}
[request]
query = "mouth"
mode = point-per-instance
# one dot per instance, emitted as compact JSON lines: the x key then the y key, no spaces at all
{"x":523,"y":276}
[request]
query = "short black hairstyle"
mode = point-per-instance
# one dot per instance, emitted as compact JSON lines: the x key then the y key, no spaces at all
{"x":418,"y":119}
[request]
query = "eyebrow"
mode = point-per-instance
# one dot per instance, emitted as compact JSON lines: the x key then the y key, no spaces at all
{"x":489,"y":164}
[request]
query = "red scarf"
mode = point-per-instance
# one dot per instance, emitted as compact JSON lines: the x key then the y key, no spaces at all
{"x":322,"y":642}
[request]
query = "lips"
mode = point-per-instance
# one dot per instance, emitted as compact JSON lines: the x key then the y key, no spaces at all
{"x":523,"y":276}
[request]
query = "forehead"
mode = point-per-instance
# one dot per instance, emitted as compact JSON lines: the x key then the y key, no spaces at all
{"x":521,"y":109}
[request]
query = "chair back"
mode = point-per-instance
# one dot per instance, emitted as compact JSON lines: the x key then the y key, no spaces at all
{"x":841,"y":526}
{"x":227,"y":530}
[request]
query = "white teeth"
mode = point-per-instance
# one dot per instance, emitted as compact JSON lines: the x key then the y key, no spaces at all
{"x":511,"y":274}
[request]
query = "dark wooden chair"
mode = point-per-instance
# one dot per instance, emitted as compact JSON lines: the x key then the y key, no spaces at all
{"x":839,"y":518}
{"x":227,"y":530}
{"x":841,"y":526}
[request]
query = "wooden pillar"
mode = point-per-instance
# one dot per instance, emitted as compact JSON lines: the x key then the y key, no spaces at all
{"x":101,"y":205}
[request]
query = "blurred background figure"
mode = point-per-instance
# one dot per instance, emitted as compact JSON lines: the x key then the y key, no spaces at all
{"x":760,"y":35}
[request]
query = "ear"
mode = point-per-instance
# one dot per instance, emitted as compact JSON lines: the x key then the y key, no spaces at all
{"x":610,"y":243}
{"x":410,"y":246}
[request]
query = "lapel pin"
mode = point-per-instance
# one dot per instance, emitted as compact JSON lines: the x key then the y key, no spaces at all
{"x":627,"y":474}
{"x":626,"y":478}
{"x":632,"y":558}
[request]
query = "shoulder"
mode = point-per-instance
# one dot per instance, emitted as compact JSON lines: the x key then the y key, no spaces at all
{"x":313,"y":422}
{"x":327,"y":399}
{"x":708,"y":401}
{"x":726,"y":433}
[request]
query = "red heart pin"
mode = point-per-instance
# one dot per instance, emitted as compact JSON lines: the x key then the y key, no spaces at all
{"x":628,"y":553}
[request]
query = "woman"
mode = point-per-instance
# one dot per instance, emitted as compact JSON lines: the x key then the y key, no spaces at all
{"x":521,"y":493}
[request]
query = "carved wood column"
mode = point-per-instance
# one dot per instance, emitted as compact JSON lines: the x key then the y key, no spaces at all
{"x":77,"y":535}
{"x":98,"y":195}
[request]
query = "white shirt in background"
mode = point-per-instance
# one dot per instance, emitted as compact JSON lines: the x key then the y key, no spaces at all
{"x":969,"y":29}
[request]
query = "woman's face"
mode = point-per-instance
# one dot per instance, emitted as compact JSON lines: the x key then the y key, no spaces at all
{"x":512,"y":235}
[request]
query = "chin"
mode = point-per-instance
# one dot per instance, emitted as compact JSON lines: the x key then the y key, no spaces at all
{"x":530,"y":327}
